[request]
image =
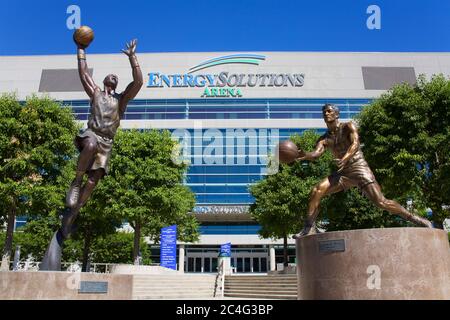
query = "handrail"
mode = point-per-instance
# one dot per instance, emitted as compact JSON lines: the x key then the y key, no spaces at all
{"x":223,"y":281}
{"x":221,"y":275}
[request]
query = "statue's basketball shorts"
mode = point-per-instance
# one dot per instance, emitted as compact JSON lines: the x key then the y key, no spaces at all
{"x":104,"y":147}
{"x":355,"y":173}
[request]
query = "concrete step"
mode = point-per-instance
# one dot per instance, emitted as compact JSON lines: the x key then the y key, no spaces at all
{"x":261,"y":277}
{"x":246,"y":275}
{"x":263,"y":296}
{"x":261,"y":285}
{"x":174,"y":297}
{"x":261,"y":280}
{"x":169,"y":289}
{"x":159,"y":287}
{"x":173,"y":287}
{"x":175,"y":294}
{"x":170,"y":283}
{"x":268,"y":283}
{"x":174,"y":278}
{"x":254,"y":289}
{"x":172,"y":291}
{"x":173,"y":283}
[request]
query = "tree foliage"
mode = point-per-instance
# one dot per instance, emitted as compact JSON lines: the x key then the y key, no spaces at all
{"x":350,"y":210}
{"x":406,"y":136}
{"x":114,"y":247}
{"x":145,"y":187}
{"x":36,"y":140}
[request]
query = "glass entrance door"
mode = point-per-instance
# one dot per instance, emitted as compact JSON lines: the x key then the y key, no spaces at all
{"x":249,"y":264}
{"x":242,"y":260}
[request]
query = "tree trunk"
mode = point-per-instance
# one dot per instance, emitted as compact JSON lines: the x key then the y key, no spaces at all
{"x":285,"y":251}
{"x":7,"y":248}
{"x":86,"y":248}
{"x":137,"y":240}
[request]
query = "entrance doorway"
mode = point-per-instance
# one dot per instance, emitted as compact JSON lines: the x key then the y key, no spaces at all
{"x":243,"y":260}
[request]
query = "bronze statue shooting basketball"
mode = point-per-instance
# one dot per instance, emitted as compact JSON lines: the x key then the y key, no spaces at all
{"x":95,"y":143}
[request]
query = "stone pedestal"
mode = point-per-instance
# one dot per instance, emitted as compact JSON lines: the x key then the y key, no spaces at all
{"x":54,"y":285}
{"x":392,"y":263}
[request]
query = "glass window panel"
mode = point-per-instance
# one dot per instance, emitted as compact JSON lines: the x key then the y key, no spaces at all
{"x":240,"y":265}
{"x":190,"y":266}
{"x":263,"y":264}
{"x":247,"y":266}
{"x":198,"y":264}
{"x":214,"y":265}
{"x":256,"y":265}
{"x":207,"y":265}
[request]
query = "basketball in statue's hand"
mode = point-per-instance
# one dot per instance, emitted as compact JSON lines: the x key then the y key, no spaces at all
{"x":83,"y":36}
{"x":288,"y":151}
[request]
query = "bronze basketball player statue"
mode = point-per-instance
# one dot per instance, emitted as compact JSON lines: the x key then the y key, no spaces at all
{"x":94,"y":143}
{"x":343,"y":141}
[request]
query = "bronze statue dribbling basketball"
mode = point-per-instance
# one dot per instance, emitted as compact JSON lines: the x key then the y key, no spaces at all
{"x":94,"y":143}
{"x":342,"y":140}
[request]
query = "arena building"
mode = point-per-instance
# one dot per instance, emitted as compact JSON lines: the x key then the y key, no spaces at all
{"x":229,"y":110}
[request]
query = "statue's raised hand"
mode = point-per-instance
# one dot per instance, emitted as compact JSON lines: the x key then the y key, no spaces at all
{"x":131,"y":48}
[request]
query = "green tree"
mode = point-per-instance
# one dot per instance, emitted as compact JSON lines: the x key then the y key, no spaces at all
{"x":145,"y":186}
{"x":114,"y":247}
{"x":93,"y":224}
{"x":406,"y":137}
{"x":118,"y":248}
{"x":350,"y":210}
{"x":33,"y":239}
{"x":36,"y":140}
{"x":281,"y":199}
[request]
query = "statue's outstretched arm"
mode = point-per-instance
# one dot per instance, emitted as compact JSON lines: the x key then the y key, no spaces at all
{"x":133,"y":88}
{"x":86,"y":79}
{"x":318,"y":151}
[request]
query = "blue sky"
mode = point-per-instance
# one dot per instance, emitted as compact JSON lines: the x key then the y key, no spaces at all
{"x":39,"y":27}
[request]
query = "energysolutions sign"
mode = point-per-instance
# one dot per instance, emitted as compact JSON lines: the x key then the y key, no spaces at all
{"x":225,"y":84}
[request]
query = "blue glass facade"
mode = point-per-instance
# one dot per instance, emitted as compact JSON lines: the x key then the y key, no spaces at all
{"x":229,"y":229}
{"x":194,"y":109}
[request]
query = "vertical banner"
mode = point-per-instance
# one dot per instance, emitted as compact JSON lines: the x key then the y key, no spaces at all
{"x":225,"y":250}
{"x":169,"y":247}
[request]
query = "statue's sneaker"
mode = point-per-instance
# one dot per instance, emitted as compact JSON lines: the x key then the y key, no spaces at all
{"x":418,"y":220}
{"x":307,"y":230}
{"x":73,"y":195}
{"x":425,"y":222}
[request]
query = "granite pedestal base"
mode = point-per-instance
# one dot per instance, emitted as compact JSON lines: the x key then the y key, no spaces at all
{"x":387,"y":263}
{"x":54,"y":285}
